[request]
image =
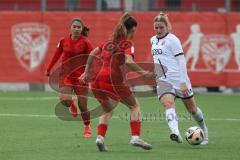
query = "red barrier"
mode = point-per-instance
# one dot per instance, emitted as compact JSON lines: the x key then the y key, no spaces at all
{"x":211,"y":40}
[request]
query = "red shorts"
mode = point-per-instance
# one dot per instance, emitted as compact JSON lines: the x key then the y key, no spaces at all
{"x":103,"y":91}
{"x":78,"y":87}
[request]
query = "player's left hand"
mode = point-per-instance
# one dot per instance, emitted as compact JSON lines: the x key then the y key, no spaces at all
{"x":184,"y":89}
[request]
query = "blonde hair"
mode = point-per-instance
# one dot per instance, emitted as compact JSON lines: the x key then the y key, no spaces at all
{"x":85,"y":29}
{"x":162,"y":17}
{"x":126,"y":23}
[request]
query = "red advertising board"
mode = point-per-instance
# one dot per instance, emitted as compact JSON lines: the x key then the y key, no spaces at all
{"x":211,"y":42}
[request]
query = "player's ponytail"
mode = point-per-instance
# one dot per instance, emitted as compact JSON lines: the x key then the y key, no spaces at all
{"x":85,"y":29}
{"x":162,"y":17}
{"x":126,"y":23}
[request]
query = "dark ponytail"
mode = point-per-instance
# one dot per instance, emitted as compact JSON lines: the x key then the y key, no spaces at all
{"x":126,"y":23}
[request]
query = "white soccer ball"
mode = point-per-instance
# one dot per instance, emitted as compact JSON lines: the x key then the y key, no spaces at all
{"x":194,"y":135}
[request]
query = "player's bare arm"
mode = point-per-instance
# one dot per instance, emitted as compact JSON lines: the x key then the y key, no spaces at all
{"x":131,"y":64}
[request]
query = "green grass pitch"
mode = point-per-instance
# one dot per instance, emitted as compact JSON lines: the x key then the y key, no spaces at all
{"x":30,"y":131}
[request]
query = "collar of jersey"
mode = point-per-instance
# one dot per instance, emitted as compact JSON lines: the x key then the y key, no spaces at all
{"x":74,"y":39}
{"x":162,"y":36}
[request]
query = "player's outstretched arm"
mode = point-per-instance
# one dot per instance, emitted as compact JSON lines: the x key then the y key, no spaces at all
{"x":53,"y":61}
{"x":94,"y":53}
{"x":131,"y":64}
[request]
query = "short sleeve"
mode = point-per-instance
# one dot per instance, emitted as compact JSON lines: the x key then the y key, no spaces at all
{"x":176,"y":47}
{"x":130,"y":51}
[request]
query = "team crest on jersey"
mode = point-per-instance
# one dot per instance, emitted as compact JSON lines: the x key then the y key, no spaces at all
{"x":30,"y":42}
{"x":154,"y":41}
{"x":216,"y":50}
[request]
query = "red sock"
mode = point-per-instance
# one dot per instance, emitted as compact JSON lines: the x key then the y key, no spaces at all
{"x":135,"y":128}
{"x":74,"y":110}
{"x":102,"y":129}
{"x":86,"y":118}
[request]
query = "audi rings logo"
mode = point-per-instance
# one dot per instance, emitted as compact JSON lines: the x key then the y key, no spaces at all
{"x":112,"y":46}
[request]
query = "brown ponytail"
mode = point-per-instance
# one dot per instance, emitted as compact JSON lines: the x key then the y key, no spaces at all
{"x":85,"y":29}
{"x":126,"y":23}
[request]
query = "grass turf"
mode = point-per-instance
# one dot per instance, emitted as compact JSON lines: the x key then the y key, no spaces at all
{"x":29,"y":130}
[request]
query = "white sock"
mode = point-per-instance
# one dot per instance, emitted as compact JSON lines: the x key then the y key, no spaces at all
{"x":172,"y":120}
{"x":100,"y":137}
{"x":135,"y":137}
{"x":198,"y":116}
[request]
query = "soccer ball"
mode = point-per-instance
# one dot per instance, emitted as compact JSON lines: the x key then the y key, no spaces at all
{"x":194,"y":135}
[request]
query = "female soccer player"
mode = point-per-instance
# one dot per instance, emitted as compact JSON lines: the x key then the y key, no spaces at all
{"x":167,"y":51}
{"x":109,"y":87}
{"x":69,"y":47}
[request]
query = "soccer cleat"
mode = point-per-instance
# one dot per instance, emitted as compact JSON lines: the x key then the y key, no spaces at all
{"x":204,"y":142}
{"x":73,"y":109}
{"x":87,"y":132}
{"x":100,"y":144}
{"x":175,"y":137}
{"x":205,"y":131}
{"x":140,"y":143}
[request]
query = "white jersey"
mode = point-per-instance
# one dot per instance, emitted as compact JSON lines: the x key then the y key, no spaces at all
{"x":164,"y":52}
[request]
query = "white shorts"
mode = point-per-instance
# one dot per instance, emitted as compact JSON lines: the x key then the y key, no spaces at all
{"x":173,"y":87}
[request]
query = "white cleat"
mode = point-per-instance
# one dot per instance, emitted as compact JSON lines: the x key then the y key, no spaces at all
{"x":140,"y":143}
{"x":204,"y":142}
{"x":100,"y":144}
{"x":205,"y":131}
{"x":175,"y":137}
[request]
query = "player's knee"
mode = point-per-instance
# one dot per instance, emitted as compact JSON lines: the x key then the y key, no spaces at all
{"x":111,"y":112}
{"x":192,"y":109}
{"x":135,"y":107}
{"x":66,"y":103}
{"x":108,"y":114}
{"x":168,"y":104}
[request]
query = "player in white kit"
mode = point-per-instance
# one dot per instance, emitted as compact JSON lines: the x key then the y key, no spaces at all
{"x":167,"y":53}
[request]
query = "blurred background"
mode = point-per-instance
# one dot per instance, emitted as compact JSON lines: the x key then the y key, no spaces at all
{"x":31,"y":29}
{"x":120,"y":5}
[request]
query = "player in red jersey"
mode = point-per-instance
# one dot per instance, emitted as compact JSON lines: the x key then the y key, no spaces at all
{"x":109,"y":87}
{"x":69,"y":47}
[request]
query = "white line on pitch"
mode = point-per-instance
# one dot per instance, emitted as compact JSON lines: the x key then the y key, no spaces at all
{"x":54,"y":116}
{"x":27,"y":98}
{"x":26,"y":115}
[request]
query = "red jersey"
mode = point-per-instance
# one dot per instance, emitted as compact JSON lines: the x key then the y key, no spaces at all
{"x":113,"y":57}
{"x":67,"y":49}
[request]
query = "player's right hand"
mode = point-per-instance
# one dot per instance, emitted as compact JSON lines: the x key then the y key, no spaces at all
{"x":83,"y":78}
{"x":184,"y":89}
{"x":150,"y":75}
